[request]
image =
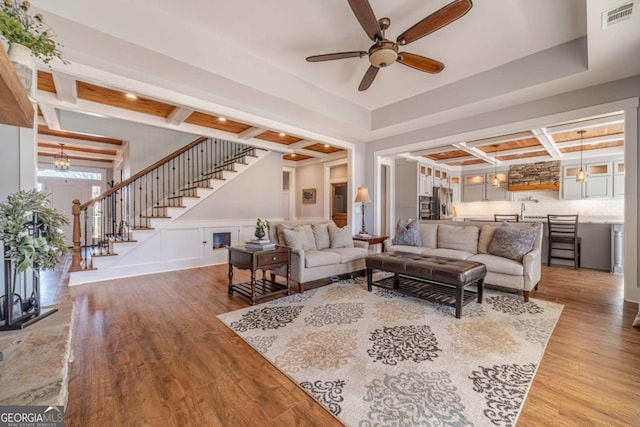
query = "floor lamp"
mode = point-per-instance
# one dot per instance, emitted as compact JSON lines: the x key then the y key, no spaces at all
{"x":363,"y":197}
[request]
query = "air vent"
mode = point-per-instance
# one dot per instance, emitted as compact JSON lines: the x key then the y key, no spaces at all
{"x":614,"y":16}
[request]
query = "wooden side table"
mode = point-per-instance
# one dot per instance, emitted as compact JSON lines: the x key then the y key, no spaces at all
{"x":253,"y":260}
{"x":372,"y":240}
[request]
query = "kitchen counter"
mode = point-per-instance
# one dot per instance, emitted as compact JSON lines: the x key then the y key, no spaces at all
{"x":543,"y":218}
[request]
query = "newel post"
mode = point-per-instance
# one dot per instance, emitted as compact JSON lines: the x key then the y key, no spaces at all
{"x":76,"y":254}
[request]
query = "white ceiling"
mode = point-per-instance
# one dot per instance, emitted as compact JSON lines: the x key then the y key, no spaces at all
{"x":246,"y":59}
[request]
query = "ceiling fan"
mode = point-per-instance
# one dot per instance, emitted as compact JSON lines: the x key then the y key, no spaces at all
{"x":384,"y":52}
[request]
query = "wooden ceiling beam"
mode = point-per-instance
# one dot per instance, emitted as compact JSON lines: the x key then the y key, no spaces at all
{"x":50,"y":115}
{"x":250,"y":133}
{"x":585,"y":124}
{"x":66,"y":87}
{"x":53,"y":139}
{"x":179,"y":115}
{"x":546,"y":140}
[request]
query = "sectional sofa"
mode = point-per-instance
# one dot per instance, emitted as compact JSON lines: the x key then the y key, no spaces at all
{"x":513,"y":256}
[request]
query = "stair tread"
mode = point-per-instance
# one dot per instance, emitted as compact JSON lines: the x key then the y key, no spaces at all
{"x":143,"y":228}
{"x":168,"y":206}
{"x":183,"y":197}
{"x":156,"y":216}
{"x":103,"y":255}
{"x":196,"y":187}
{"x":125,"y":241}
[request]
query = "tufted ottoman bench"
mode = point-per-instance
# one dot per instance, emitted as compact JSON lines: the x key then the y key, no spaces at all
{"x":437,"y":279}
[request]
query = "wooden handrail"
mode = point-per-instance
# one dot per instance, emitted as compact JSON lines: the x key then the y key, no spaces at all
{"x":143,"y":172}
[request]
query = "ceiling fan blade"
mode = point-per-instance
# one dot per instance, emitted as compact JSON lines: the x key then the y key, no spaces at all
{"x":454,"y":10}
{"x":366,"y":17}
{"x":340,"y":55}
{"x":368,"y":78}
{"x":421,"y":63}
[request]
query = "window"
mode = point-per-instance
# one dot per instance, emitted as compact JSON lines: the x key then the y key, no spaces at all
{"x":52,"y":173}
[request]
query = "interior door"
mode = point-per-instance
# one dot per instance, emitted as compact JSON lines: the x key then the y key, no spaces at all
{"x":63,"y":192}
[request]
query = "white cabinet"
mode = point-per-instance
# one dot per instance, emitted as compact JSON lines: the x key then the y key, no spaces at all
{"x":440,"y":178}
{"x":479,"y":187}
{"x":598,"y":185}
{"x":425,"y":183}
{"x":473,"y":188}
{"x":454,"y":184}
{"x":618,"y":179}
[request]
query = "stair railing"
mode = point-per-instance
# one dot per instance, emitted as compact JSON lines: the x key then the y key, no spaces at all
{"x":133,"y":203}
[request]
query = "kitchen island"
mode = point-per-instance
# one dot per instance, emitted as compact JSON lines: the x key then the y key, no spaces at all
{"x":602,"y":244}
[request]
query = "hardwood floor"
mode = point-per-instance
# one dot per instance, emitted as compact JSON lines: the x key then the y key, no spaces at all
{"x":150,"y":351}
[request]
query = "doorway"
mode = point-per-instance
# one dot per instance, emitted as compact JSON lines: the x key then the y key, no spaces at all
{"x":339,"y":203}
{"x":63,"y":192}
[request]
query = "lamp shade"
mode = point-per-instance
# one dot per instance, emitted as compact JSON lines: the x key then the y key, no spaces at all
{"x":363,"y":195}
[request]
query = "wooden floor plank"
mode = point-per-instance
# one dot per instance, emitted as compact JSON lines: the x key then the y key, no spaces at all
{"x":150,"y":351}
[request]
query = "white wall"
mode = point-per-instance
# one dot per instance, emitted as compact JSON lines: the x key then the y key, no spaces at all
{"x":310,"y":176}
{"x":147,"y":144}
{"x":257,"y":192}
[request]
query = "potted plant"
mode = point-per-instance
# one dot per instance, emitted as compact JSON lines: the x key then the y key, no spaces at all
{"x":19,"y":27}
{"x":41,"y":247}
{"x":262,"y":226}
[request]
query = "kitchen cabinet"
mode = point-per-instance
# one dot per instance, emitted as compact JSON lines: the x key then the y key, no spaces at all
{"x":618,"y":179}
{"x":454,"y":184}
{"x":598,"y":185}
{"x":478,"y":187}
{"x":440,"y":178}
{"x":425,"y":180}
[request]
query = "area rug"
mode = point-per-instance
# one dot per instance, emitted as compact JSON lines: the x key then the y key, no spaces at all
{"x":35,"y":366}
{"x":380,"y":358}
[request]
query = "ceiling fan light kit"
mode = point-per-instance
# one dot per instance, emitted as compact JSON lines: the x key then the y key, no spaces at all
{"x":385,"y":52}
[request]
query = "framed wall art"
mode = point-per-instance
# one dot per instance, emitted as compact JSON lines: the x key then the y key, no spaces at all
{"x":309,"y":195}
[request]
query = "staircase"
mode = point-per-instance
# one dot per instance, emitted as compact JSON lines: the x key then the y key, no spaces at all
{"x":131,"y":215}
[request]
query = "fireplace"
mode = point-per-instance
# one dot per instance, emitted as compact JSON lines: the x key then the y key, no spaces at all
{"x":221,"y":240}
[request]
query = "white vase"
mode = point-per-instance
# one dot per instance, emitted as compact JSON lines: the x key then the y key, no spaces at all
{"x":23,"y":63}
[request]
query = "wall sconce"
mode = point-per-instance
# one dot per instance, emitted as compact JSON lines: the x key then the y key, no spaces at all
{"x":363,"y":197}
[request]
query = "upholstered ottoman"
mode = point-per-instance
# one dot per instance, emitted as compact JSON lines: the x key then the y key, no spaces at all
{"x":437,"y":279}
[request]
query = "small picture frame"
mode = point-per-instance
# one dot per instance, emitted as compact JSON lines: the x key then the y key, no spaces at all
{"x":309,"y":195}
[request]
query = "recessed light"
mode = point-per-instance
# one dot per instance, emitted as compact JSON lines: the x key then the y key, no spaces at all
{"x":293,"y":154}
{"x":283,"y":134}
{"x":326,"y":146}
{"x":131,"y":96}
{"x":222,"y":119}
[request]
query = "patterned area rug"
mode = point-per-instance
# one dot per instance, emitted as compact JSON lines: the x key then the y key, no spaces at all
{"x":35,"y":369}
{"x":381,"y":358}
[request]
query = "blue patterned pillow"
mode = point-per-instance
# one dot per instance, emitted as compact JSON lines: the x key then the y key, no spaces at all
{"x":511,"y":242}
{"x":408,"y":234}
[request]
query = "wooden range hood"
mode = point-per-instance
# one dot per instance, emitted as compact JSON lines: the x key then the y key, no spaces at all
{"x":535,"y":176}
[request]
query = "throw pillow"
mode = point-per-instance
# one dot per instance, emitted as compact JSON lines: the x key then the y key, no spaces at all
{"x":309,"y":243}
{"x":408,"y":234}
{"x":279,"y":232}
{"x":462,"y":238}
{"x":486,"y":236}
{"x":429,"y":235}
{"x":340,"y":237}
{"x":292,"y":238}
{"x":321,"y":235}
{"x":513,"y":243}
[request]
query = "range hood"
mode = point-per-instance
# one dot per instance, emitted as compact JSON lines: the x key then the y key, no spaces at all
{"x":535,"y":176}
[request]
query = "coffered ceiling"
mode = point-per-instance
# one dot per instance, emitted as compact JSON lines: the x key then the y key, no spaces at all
{"x":194,"y":62}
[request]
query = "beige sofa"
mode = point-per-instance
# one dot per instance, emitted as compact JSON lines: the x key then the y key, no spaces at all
{"x":330,"y":254}
{"x":472,"y":241}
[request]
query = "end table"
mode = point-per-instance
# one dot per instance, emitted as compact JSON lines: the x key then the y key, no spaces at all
{"x":253,"y":260}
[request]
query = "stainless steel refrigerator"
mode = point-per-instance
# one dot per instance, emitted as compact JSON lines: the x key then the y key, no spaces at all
{"x":443,"y":201}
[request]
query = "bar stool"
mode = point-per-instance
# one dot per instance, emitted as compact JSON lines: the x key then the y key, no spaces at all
{"x":506,"y":218}
{"x":563,"y":236}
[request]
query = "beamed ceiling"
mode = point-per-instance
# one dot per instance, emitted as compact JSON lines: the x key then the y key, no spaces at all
{"x":604,"y":135}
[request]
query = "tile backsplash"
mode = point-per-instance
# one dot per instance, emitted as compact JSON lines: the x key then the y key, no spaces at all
{"x":548,"y":203}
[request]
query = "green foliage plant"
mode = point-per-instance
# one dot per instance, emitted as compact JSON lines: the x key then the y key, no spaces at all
{"x":21,"y":247}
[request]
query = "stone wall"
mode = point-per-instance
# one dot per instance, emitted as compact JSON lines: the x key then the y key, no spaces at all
{"x":535,"y":176}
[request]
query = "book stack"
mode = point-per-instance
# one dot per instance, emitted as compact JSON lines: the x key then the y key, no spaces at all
{"x":261,"y":244}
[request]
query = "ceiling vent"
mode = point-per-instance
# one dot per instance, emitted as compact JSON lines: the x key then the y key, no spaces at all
{"x":615,"y":15}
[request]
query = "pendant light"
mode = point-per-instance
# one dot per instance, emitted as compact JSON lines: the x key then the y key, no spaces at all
{"x":495,"y":182}
{"x":581,"y":176}
{"x":61,"y":160}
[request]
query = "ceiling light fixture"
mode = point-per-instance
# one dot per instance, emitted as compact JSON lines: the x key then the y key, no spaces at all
{"x":282,"y":134}
{"x":222,"y":119}
{"x":131,"y":96}
{"x":326,"y":146}
{"x":61,"y":160}
{"x":581,"y":176}
{"x":495,"y":182}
